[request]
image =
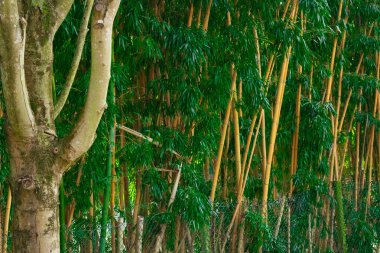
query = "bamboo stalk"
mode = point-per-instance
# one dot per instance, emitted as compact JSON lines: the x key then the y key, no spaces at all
{"x":199,"y":15}
{"x":92,"y":240}
{"x":346,"y":145}
{"x":222,"y":139}
{"x":72,"y":206}
{"x":350,"y":93}
{"x":332,"y":59}
{"x":237,"y":144}
{"x":362,"y":154}
{"x":248,"y":142}
{"x":295,"y":135}
{"x":112,"y":200}
{"x":207,"y":16}
{"x":240,"y":193}
{"x":241,"y":241}
{"x":109,"y":176}
{"x":368,"y":200}
{"x":161,"y":235}
{"x":62,"y":227}
{"x":263,"y":145}
{"x":225,"y":172}
{"x":311,"y":82}
{"x":285,"y":9}
{"x":147,"y":138}
{"x":191,"y":13}
{"x":279,"y":219}
{"x":277,"y":110}
{"x":113,"y":181}
{"x":334,"y":167}
{"x":357,"y":158}
{"x":6,"y":220}
{"x":276,"y":117}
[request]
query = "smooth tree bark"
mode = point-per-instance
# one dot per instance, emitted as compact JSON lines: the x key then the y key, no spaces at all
{"x":38,"y":158}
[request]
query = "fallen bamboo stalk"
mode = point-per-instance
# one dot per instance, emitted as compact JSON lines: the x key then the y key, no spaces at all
{"x":149,"y":139}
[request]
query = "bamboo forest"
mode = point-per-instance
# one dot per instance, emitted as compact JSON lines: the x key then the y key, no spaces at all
{"x":211,"y":126}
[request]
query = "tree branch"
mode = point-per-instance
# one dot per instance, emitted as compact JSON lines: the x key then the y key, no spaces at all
{"x":58,"y":12}
{"x":77,"y":56}
{"x":12,"y":46}
{"x":83,"y":134}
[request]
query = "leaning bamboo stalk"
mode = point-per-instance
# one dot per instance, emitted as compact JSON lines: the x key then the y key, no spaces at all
{"x":161,"y":235}
{"x":268,"y":74}
{"x":225,"y":172}
{"x":346,"y":146}
{"x":362,"y":180}
{"x":263,"y":144}
{"x":356,"y":72}
{"x":357,"y":158}
{"x":368,"y":200}
{"x":241,"y":191}
{"x":237,"y":143}
{"x":279,"y":219}
{"x":222,"y":139}
{"x":332,"y":59}
{"x":248,"y":142}
{"x":285,"y":9}
{"x":276,"y":117}
{"x":334,"y":123}
{"x":6,"y":220}
{"x":294,"y":160}
{"x":254,"y":144}
{"x":350,"y":93}
{"x":262,"y":112}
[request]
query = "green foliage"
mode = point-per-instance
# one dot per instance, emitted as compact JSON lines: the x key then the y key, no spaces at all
{"x":191,"y":81}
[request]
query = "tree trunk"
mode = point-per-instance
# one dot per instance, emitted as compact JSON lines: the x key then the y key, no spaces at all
{"x":35,"y":224}
{"x":38,"y":158}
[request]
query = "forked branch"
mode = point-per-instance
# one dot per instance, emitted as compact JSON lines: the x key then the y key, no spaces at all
{"x":76,"y":60}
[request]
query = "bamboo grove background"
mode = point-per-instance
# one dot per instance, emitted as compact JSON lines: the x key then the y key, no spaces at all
{"x":232,"y":126}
